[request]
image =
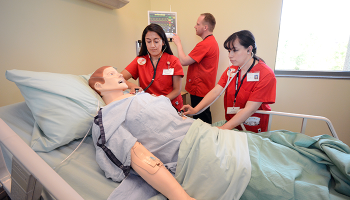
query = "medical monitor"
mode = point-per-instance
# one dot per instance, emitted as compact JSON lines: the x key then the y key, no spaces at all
{"x":167,"y":20}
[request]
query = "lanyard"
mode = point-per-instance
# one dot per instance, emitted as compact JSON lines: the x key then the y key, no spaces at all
{"x":237,"y":77}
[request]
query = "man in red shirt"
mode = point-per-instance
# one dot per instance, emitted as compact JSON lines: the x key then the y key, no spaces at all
{"x":202,"y":63}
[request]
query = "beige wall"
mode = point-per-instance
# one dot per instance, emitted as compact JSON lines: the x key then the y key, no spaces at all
{"x":65,"y":36}
{"x":325,"y":97}
{"x":76,"y":36}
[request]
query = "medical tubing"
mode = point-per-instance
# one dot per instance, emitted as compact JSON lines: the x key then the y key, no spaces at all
{"x":228,"y":83}
{"x":81,"y":142}
{"x":73,"y":150}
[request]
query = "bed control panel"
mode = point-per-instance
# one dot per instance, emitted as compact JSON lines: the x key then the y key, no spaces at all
{"x":23,"y":185}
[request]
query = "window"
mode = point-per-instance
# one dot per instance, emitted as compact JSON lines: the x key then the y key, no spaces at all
{"x":314,"y":39}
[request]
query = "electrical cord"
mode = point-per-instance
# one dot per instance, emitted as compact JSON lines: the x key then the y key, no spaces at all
{"x":81,"y":142}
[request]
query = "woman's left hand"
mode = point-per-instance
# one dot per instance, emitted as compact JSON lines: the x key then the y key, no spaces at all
{"x":132,"y":90}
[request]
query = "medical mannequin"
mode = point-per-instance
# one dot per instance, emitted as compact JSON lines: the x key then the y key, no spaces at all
{"x":110,"y":85}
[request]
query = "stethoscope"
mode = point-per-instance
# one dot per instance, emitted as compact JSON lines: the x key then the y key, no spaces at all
{"x":229,"y":79}
{"x":154,"y":68}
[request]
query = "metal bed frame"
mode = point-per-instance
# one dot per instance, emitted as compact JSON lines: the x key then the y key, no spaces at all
{"x":304,"y":117}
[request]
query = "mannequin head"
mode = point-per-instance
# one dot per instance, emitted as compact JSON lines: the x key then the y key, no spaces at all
{"x":106,"y":80}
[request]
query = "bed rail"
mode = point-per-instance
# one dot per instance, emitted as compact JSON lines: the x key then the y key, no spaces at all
{"x":53,"y":183}
{"x":304,"y":117}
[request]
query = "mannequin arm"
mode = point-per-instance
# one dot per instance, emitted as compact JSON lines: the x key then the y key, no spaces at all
{"x":151,"y":169}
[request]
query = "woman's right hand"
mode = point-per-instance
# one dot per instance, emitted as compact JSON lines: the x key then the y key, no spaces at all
{"x":188,"y":110}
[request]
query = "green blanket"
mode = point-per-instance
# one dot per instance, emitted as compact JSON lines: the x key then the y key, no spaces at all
{"x":288,"y":165}
{"x":285,"y":165}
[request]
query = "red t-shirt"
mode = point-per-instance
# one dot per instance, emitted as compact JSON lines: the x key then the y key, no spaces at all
{"x":141,"y":67}
{"x":263,"y":91}
{"x":201,"y":75}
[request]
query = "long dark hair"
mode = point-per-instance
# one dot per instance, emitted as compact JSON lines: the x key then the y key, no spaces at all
{"x":245,"y":38}
{"x":159,"y":30}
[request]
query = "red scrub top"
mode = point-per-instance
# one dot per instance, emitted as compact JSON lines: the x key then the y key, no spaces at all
{"x":201,"y":75}
{"x":263,"y":91}
{"x":141,"y":67}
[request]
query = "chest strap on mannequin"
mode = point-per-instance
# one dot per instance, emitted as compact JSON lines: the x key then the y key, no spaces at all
{"x":108,"y":152}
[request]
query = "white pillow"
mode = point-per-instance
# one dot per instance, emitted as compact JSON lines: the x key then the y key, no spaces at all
{"x":63,"y":106}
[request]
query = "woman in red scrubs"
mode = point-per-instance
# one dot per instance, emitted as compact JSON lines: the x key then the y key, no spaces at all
{"x":158,"y":70}
{"x":252,"y":86}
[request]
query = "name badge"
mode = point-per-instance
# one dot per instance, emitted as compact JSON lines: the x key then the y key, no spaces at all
{"x":169,"y":71}
{"x":253,"y":76}
{"x":232,"y":110}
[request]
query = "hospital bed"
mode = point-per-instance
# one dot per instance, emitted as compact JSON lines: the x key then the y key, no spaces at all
{"x":78,"y":177}
{"x":73,"y":179}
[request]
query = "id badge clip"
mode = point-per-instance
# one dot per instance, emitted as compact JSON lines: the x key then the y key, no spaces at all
{"x":232,"y":110}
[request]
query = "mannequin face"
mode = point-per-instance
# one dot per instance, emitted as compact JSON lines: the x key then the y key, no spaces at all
{"x":238,"y":54}
{"x":113,"y":81}
{"x":154,"y":44}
